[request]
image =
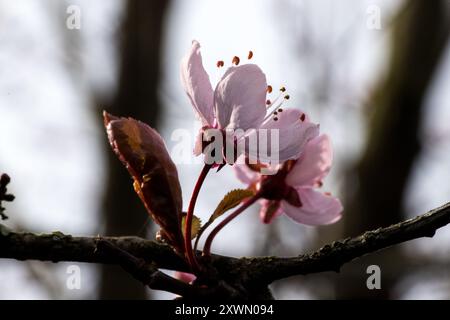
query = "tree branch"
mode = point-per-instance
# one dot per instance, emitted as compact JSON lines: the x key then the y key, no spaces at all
{"x":331,"y":257}
{"x":246,"y":272}
{"x":57,"y":247}
{"x":4,"y":196}
{"x":145,"y":272}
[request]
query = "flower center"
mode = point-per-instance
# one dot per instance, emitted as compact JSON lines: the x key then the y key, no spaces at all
{"x":274,"y":187}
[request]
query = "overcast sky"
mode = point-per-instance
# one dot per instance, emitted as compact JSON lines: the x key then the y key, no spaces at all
{"x":50,"y":140}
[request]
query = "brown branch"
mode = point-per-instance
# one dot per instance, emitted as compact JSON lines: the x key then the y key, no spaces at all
{"x":331,"y":257}
{"x":4,"y":196}
{"x":57,"y":247}
{"x":143,"y":271}
{"x":248,"y":273}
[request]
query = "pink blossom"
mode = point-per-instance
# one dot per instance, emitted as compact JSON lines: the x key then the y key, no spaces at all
{"x":293,"y":189}
{"x":239,"y":101}
{"x":184,"y":276}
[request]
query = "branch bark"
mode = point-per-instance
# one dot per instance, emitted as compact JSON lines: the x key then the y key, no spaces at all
{"x":249,"y":273}
{"x":331,"y":257}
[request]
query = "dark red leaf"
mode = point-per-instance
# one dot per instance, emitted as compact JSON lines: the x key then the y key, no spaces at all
{"x":142,"y":150}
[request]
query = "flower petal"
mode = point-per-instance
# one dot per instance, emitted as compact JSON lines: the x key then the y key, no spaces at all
{"x":270,"y":209}
{"x":184,"y":276}
{"x":244,"y":173}
{"x":239,"y":98}
{"x":196,"y":83}
{"x":317,"y":208}
{"x":294,"y":131}
{"x":198,"y":143}
{"x":314,"y":163}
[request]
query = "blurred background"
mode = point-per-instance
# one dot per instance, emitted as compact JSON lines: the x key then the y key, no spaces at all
{"x":375,"y":75}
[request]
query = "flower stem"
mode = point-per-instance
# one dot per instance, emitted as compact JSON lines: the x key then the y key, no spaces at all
{"x":190,"y":214}
{"x":238,"y":211}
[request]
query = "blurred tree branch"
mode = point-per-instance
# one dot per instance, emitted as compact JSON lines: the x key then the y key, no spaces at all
{"x":141,"y":38}
{"x":252,"y":274}
{"x":378,"y":182}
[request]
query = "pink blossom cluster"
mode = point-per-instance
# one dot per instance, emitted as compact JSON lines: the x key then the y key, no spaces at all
{"x":240,"y":102}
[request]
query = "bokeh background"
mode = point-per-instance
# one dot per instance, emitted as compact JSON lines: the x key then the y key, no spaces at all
{"x":379,"y":88}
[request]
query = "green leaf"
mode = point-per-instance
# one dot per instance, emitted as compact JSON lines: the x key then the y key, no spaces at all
{"x":231,"y":200}
{"x":195,"y":227}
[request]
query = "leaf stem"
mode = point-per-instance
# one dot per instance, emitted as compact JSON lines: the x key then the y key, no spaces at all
{"x":238,"y":211}
{"x":190,"y":214}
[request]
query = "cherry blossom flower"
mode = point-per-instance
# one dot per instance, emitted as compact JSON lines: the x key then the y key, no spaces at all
{"x":239,"y":101}
{"x":293,"y":189}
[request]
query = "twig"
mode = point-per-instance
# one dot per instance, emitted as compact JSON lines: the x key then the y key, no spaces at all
{"x":248,"y":273}
{"x":145,"y":272}
{"x":4,"y":196}
{"x":331,"y":257}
